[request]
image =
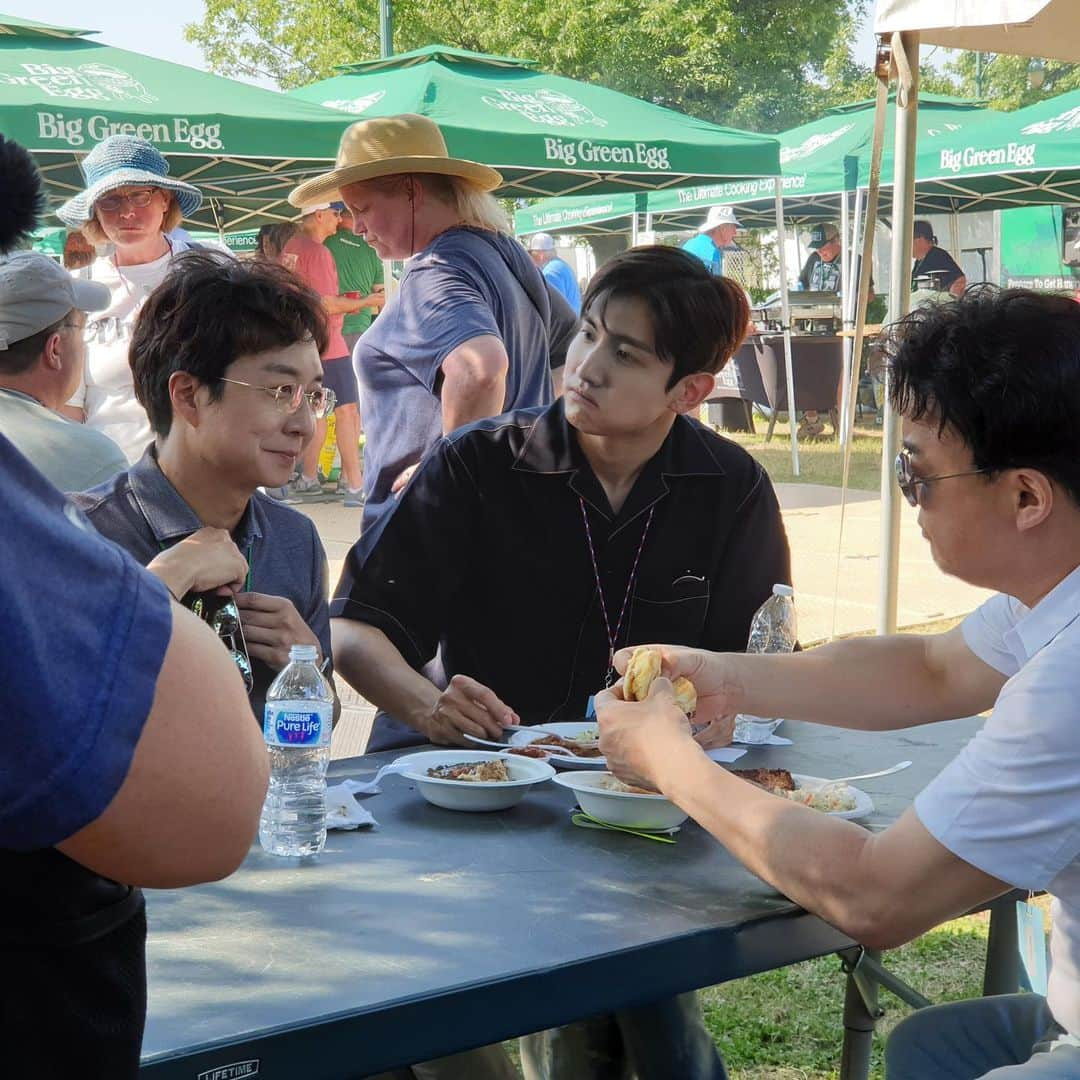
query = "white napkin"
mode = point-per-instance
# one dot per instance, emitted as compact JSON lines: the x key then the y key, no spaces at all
{"x":726,"y":754}
{"x":758,"y":732}
{"x":343,"y":811}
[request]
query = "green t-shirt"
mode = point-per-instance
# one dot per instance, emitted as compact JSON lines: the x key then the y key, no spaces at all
{"x":359,"y":270}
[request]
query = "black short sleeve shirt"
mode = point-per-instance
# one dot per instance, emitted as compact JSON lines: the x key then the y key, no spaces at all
{"x":940,"y":265}
{"x":485,"y":558}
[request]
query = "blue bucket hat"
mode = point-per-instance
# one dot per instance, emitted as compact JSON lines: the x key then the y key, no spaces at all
{"x":119,"y":161}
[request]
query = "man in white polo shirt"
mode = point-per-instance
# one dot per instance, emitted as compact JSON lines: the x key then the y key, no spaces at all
{"x":42,"y":352}
{"x":989,"y":388}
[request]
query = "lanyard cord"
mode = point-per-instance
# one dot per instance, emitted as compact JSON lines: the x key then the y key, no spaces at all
{"x":613,"y":637}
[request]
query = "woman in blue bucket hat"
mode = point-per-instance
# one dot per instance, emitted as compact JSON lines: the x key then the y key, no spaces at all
{"x":129,"y":207}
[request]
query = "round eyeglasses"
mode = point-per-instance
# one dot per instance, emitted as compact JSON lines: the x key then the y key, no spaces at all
{"x":289,"y":397}
{"x":910,"y":484}
{"x":113,"y":203}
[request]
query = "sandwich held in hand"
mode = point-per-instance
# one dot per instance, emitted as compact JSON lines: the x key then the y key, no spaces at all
{"x":643,"y":668}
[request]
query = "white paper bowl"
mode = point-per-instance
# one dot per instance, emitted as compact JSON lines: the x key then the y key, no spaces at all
{"x":476,"y":796}
{"x":620,"y":807}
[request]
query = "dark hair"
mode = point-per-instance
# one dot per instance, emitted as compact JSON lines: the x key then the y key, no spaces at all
{"x":924,"y":230}
{"x":271,"y":239}
{"x":24,"y":195}
{"x":1002,"y":368}
{"x":699,"y":319}
{"x":210,"y":310}
{"x":20,"y":356}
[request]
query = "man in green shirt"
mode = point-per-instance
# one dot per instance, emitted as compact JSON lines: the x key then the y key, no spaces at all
{"x":360,"y":274}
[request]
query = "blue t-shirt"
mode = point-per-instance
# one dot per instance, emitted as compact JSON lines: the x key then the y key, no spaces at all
{"x":562,"y":277}
{"x":87,"y":633}
{"x":703,"y":247}
{"x":465,"y":283}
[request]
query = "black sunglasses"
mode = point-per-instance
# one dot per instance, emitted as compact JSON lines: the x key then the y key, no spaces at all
{"x":222,"y":615}
{"x":910,"y":484}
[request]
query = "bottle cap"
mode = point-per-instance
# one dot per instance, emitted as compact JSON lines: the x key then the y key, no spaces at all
{"x":783,"y":590}
{"x":303,"y":652}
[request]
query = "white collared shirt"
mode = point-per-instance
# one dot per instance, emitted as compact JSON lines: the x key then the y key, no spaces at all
{"x":1009,"y":803}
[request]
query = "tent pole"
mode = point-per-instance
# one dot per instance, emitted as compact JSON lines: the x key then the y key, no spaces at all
{"x":386,"y":48}
{"x":847,"y":275}
{"x":386,"y":28}
{"x":785,"y":315}
{"x":905,"y":49}
{"x":858,"y":233}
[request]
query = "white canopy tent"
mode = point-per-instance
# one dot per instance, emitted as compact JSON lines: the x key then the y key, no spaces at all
{"x":1024,"y":27}
{"x":1043,"y":28}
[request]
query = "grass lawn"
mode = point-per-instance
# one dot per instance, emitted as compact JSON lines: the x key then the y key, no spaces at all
{"x":820,"y":462}
{"x":787,"y":1024}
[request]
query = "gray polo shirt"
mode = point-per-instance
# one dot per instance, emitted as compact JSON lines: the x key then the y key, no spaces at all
{"x":71,"y":456}
{"x":142,"y":512}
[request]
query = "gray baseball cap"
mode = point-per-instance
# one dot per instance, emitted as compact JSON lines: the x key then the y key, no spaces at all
{"x":36,"y":291}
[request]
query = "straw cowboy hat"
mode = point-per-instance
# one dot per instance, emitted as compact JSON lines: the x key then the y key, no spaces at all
{"x":386,"y":146}
{"x":123,"y":161}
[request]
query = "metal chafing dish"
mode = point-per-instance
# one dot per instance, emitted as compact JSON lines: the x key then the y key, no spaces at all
{"x":811,"y":313}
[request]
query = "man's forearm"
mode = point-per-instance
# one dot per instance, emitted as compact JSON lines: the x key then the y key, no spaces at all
{"x":369,"y":662}
{"x":341,"y":305}
{"x":870,"y":683}
{"x":881,"y":890}
{"x":772,"y":838}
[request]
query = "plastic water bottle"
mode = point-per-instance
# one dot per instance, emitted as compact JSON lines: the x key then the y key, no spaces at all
{"x":772,"y":630}
{"x":297,"y":725}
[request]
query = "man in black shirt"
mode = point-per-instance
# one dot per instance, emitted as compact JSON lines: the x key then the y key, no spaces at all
{"x":528,"y":547}
{"x":494,"y":553}
{"x":934,"y":262}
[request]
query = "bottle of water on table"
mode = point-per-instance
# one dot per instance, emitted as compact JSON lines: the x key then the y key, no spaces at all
{"x":297,"y":725}
{"x":772,"y":630}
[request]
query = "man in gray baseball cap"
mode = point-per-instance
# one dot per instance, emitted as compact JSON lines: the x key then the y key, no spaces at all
{"x":42,"y":318}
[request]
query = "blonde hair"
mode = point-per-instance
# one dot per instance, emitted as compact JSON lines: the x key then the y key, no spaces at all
{"x":472,"y":204}
{"x":93,"y":231}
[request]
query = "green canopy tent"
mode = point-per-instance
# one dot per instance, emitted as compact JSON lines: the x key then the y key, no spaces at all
{"x":820,"y":162}
{"x":582,"y":215}
{"x":547,"y":135}
{"x":244,"y":147}
{"x":1029,"y":157}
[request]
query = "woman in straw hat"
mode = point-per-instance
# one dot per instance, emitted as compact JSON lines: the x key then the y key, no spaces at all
{"x":129,"y":206}
{"x":466,"y":335}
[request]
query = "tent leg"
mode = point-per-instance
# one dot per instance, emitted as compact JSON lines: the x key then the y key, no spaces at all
{"x":785,"y":315}
{"x":847,"y":276}
{"x":905,"y":49}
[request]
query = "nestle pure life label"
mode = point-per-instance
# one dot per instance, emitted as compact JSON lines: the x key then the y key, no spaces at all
{"x":297,"y":723}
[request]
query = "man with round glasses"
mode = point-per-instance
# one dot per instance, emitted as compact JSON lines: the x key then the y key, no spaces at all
{"x":989,"y":389}
{"x":225,"y":361}
{"x":42,"y":352}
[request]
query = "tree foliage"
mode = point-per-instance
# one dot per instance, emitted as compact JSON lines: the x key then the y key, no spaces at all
{"x":1005,"y":81}
{"x":759,"y":64}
